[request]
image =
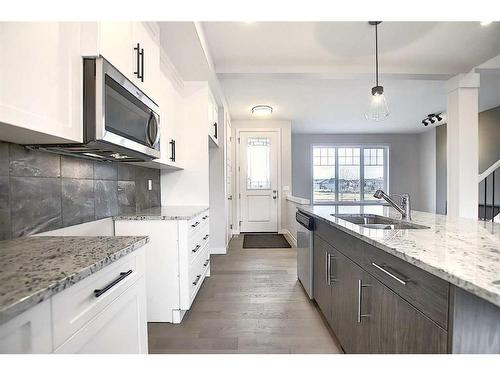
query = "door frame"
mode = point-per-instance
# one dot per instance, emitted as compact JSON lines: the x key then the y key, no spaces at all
{"x":237,"y":174}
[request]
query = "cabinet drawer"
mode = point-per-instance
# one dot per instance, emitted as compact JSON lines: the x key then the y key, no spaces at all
{"x":198,"y":271}
{"x":197,"y":223}
{"x":343,"y":242}
{"x":426,"y":292}
{"x":198,"y":242}
{"x":77,"y":305}
{"x":120,"y":328}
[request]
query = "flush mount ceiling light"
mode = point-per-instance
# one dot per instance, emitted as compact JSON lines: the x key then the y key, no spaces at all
{"x":262,"y":110}
{"x":378,"y":109}
{"x":485,"y":23}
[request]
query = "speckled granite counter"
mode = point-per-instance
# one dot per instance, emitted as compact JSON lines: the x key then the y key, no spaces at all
{"x":463,"y":252}
{"x":33,"y":269}
{"x":165,"y":213}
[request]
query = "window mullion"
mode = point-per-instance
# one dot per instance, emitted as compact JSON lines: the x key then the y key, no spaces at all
{"x":336,"y":174}
{"x":362,"y":174}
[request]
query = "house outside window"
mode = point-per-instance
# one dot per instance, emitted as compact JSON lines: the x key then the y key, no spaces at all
{"x":348,"y":174}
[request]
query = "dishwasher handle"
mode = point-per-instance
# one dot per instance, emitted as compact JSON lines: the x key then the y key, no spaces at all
{"x":305,"y":220}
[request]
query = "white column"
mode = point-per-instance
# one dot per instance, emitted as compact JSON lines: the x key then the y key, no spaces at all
{"x":462,"y":145}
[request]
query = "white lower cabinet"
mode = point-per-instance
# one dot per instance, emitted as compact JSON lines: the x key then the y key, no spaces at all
{"x":120,"y":328}
{"x":177,"y":263}
{"x":29,"y":332}
{"x":77,"y":321}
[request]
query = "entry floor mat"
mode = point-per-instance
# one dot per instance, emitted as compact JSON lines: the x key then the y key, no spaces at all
{"x":265,"y":241}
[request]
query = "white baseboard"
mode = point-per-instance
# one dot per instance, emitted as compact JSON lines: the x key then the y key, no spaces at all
{"x":218,"y":250}
{"x":290,"y":238}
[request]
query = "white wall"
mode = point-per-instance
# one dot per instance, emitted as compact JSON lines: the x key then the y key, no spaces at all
{"x":218,"y":196}
{"x":286,"y":157}
{"x":427,"y":183}
{"x":103,"y":227}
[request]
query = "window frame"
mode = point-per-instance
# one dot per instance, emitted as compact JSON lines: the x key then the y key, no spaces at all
{"x":362,"y":147}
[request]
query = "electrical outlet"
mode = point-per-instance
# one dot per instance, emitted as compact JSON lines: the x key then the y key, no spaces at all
{"x":150,"y":185}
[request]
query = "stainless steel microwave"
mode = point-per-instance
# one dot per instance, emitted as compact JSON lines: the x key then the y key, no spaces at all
{"x":120,"y":122}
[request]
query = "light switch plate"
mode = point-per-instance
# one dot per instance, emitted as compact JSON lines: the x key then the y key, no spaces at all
{"x":150,"y":185}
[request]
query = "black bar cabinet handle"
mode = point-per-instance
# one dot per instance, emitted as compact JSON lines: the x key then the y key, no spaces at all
{"x":142,"y":65}
{"x":138,"y":71}
{"x":198,"y":277}
{"x":215,"y":135}
{"x":172,"y":151}
{"x":100,"y":292}
{"x":197,"y":247}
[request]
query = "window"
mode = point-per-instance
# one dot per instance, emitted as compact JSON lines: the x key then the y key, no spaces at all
{"x":348,"y":174}
{"x":258,"y":164}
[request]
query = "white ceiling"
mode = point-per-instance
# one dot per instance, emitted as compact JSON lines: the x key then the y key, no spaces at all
{"x":319,"y":75}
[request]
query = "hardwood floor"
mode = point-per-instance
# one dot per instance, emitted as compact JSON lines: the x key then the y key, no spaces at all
{"x":252,"y":303}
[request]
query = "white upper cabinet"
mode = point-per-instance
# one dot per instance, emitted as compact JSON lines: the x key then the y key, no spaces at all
{"x":131,"y":47}
{"x":41,"y":89}
{"x":115,"y":44}
{"x":146,"y":37}
{"x":213,"y":119}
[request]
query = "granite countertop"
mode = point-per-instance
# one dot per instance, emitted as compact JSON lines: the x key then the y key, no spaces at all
{"x":32,"y":269}
{"x":164,"y":213}
{"x":464,"y":252}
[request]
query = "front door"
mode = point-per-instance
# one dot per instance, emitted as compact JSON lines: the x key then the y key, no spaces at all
{"x":258,"y":181}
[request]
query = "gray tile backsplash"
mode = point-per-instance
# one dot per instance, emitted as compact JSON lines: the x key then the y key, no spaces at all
{"x":25,"y":163}
{"x":41,"y":191}
{"x":77,"y":168}
{"x":106,"y":201}
{"x":35,"y":205}
{"x":105,"y":171}
{"x":77,"y":201}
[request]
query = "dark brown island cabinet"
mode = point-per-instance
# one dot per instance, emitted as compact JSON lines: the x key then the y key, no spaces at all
{"x":378,"y":303}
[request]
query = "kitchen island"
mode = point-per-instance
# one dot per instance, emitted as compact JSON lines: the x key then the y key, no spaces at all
{"x":57,"y":294}
{"x":430,"y":290}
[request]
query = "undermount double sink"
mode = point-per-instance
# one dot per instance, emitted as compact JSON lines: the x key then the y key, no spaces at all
{"x":378,"y":222}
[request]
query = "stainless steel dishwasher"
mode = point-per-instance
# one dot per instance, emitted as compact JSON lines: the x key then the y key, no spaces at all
{"x":305,"y":251}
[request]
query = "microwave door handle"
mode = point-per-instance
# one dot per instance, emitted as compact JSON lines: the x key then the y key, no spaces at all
{"x":148,"y":128}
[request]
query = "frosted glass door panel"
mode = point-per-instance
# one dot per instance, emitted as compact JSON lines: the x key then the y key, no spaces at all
{"x":258,"y":168}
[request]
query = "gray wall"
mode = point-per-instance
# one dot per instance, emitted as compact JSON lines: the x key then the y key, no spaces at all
{"x":427,"y":183}
{"x":489,"y":138}
{"x":404,"y":169}
{"x":441,"y":183}
{"x":40,"y":191}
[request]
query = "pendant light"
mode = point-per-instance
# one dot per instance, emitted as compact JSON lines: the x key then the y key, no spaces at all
{"x":378,"y":109}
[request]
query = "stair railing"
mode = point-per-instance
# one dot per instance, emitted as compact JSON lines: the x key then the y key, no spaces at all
{"x":490,"y":172}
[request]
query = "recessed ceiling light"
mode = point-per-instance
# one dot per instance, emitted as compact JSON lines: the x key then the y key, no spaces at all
{"x":262,"y":110}
{"x":485,"y":23}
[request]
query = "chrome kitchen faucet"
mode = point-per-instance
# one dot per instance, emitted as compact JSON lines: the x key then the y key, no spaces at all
{"x":404,"y":207}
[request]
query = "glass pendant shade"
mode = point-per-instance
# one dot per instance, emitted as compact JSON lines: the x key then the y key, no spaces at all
{"x":378,"y":108}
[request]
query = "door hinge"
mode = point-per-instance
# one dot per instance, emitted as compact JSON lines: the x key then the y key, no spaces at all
{"x":230,"y":226}
{"x":239,"y":169}
{"x":240,"y":223}
{"x":239,"y":195}
{"x":238,"y":140}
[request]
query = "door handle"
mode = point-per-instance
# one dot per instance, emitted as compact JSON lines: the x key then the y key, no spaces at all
{"x":230,"y":198}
